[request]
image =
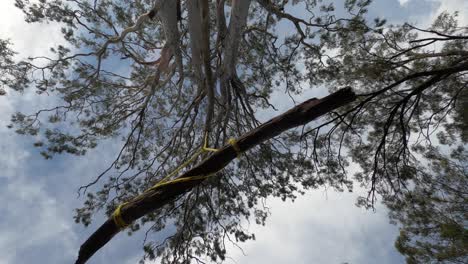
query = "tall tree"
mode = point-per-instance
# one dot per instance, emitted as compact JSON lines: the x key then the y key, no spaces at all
{"x":166,"y":74}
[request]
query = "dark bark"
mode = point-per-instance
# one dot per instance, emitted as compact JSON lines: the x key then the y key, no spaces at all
{"x":156,"y":198}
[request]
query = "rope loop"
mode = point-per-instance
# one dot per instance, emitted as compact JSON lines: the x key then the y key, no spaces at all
{"x":117,"y":217}
{"x":235,"y":146}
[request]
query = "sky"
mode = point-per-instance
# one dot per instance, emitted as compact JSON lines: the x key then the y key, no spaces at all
{"x":39,"y":196}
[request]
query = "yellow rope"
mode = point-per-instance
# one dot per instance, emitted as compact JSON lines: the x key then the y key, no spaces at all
{"x":205,"y":144}
{"x":117,"y":215}
{"x":177,"y":170}
{"x":235,"y":146}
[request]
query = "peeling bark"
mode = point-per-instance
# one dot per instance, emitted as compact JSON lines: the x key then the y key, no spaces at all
{"x":221,"y":36}
{"x":195,"y":31}
{"x":220,"y":21}
{"x":206,"y":54}
{"x":168,"y":17}
{"x":237,"y":22}
{"x":239,"y":13}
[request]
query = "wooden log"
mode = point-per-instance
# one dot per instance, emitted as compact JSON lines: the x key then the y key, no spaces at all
{"x":158,"y":197}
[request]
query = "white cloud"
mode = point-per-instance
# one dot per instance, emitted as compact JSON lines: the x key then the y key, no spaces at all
{"x":28,"y":39}
{"x":451,"y":6}
{"x":403,"y":2}
{"x":321,"y":228}
{"x":29,"y":217}
{"x":31,"y":220}
{"x":437,"y":7}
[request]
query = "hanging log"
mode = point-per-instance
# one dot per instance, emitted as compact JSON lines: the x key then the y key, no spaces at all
{"x":157,"y":198}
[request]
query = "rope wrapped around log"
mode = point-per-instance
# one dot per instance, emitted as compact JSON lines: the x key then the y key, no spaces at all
{"x":158,"y":197}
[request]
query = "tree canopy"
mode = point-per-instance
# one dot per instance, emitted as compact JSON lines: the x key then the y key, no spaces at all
{"x":163,"y":75}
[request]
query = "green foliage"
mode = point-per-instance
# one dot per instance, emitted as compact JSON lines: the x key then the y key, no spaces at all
{"x":432,"y":215}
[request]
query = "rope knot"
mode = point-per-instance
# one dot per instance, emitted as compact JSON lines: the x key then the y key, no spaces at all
{"x":235,"y":146}
{"x":117,"y":217}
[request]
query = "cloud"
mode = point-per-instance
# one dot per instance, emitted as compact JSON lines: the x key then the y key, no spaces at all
{"x":452,"y":6}
{"x":424,"y":12}
{"x":321,"y":227}
{"x":32,"y":222}
{"x":28,"y":39}
{"x":403,"y":2}
{"x":39,"y":196}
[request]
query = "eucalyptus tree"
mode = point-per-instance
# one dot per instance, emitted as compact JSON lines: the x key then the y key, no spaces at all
{"x":166,"y":75}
